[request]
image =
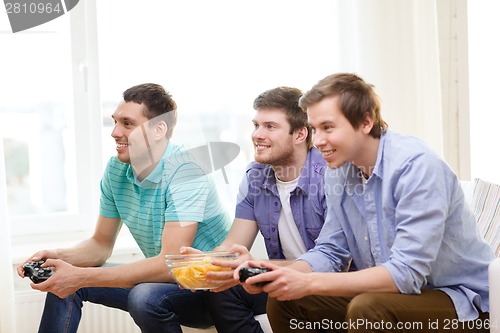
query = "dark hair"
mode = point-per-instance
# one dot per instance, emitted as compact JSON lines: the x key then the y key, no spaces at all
{"x":158,"y":103}
{"x":356,"y":99}
{"x":286,"y":98}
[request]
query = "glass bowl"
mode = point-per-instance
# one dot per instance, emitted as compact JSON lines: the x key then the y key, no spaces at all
{"x":189,"y":270}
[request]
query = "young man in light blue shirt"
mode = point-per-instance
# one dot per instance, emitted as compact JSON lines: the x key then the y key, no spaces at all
{"x":396,"y":220}
{"x":161,"y":193}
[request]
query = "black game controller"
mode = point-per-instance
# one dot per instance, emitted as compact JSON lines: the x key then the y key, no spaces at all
{"x":36,"y":273}
{"x":246,"y":272}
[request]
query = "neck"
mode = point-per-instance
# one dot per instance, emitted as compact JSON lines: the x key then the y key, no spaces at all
{"x":368,"y":156}
{"x":293,"y":168}
{"x":154,"y":155}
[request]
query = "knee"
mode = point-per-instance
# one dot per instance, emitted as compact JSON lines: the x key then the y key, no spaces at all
{"x":273,"y":307}
{"x":139,"y":300}
{"x":279,"y":309}
{"x":366,"y":306}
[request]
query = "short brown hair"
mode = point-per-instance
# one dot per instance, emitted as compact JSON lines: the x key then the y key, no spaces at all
{"x":157,"y":102}
{"x":286,"y":98}
{"x":356,"y":99}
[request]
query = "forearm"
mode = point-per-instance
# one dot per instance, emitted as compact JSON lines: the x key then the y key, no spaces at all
{"x":242,"y":232}
{"x":349,"y":284}
{"x":89,"y":253}
{"x":128,"y":275}
{"x":224,"y":246}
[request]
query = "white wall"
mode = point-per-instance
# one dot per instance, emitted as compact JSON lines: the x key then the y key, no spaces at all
{"x":484,"y":73}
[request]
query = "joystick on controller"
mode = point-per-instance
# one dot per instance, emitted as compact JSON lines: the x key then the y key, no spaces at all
{"x":36,"y":273}
{"x":246,"y":272}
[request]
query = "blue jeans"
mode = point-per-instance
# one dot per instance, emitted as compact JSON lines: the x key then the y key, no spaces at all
{"x":233,"y":310}
{"x":155,"y":307}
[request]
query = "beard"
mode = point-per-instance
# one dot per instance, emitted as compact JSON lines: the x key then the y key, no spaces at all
{"x":276,"y":155}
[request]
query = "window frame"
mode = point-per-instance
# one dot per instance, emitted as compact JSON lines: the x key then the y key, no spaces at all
{"x":87,"y":134}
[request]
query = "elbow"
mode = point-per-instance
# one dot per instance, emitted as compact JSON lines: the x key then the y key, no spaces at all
{"x":407,"y":280}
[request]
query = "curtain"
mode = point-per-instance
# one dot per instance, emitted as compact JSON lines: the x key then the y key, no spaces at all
{"x":393,"y":44}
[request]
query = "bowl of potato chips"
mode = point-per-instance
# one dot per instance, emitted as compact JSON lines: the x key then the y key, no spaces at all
{"x":189,"y":270}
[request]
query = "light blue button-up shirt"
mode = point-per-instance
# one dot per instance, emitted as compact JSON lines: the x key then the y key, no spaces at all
{"x":410,"y":216}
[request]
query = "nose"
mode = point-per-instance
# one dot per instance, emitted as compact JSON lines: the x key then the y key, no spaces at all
{"x":116,"y":132}
{"x":318,"y":139}
{"x":257,"y":133}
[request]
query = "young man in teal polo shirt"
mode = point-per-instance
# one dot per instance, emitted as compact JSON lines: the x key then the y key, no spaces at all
{"x":165,"y":199}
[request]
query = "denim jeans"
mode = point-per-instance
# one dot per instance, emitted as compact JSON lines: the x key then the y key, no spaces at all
{"x":233,"y":310}
{"x":155,"y":307}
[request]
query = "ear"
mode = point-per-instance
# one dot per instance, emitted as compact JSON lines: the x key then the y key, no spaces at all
{"x":300,"y":135}
{"x":160,"y":130}
{"x":367,"y":123}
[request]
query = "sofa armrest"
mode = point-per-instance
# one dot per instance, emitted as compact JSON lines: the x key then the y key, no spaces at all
{"x":494,"y":281}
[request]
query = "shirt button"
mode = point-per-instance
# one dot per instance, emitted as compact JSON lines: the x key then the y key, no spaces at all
{"x":276,"y":203}
{"x":273,"y":229}
{"x":366,"y":238}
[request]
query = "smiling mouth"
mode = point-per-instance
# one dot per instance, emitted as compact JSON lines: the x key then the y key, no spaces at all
{"x":327,"y":153}
{"x":260,"y":148}
{"x":121,"y":145}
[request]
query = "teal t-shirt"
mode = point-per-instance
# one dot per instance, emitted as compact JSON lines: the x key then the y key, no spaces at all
{"x":176,"y":190}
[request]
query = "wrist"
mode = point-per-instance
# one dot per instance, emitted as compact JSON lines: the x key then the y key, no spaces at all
{"x":316,"y":284}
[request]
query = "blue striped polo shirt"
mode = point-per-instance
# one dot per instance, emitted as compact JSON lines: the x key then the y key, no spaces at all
{"x":176,"y":190}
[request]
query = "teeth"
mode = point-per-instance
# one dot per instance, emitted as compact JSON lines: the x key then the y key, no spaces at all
{"x":121,"y":145}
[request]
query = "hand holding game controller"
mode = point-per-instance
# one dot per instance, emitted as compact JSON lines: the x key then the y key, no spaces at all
{"x":35,"y":272}
{"x":246,"y":272}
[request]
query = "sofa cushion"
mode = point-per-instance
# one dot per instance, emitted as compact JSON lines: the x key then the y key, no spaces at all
{"x":486,"y":208}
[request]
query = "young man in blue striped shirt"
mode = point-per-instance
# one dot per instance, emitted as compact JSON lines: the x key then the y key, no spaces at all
{"x":165,"y":199}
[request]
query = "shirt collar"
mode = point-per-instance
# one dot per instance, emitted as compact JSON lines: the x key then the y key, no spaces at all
{"x":379,"y":164}
{"x":353,"y":174}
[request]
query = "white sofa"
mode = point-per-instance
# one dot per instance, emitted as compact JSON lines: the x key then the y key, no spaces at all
{"x":484,"y":199}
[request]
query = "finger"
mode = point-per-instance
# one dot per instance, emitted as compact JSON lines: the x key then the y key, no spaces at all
{"x":240,"y":249}
{"x":252,"y":289}
{"x":236,"y":274}
{"x":189,"y":250}
{"x":221,"y":282}
{"x":220,"y":275}
{"x":226,"y":263}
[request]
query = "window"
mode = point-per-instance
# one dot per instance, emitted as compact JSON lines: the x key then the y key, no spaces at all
{"x":42,"y":124}
{"x":214,"y":58}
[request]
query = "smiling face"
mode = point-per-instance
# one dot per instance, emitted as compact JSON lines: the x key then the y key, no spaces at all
{"x":130,"y":132}
{"x":271,"y":137}
{"x":334,"y":136}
